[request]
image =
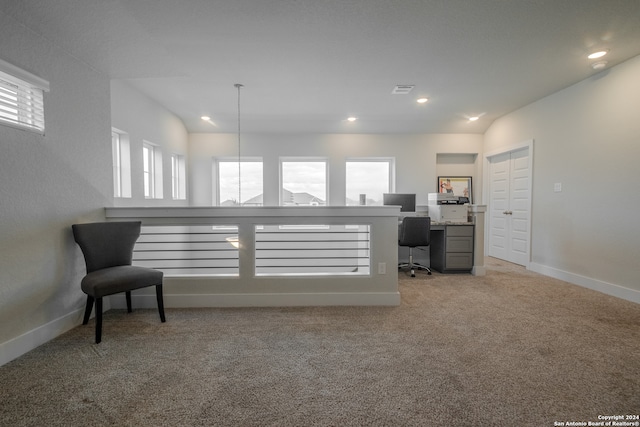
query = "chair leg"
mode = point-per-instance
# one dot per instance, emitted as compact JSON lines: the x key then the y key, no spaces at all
{"x":98,"y":320}
{"x":413,"y":273}
{"x":160,"y":302}
{"x":413,"y":266}
{"x":128,"y":296}
{"x":87,"y":310}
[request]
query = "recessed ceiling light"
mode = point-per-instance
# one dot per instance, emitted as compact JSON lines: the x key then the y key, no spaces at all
{"x":599,"y":65}
{"x":596,"y":55}
{"x":473,"y":119}
{"x":208,"y":120}
{"x":352,"y":119}
{"x":421,"y":100}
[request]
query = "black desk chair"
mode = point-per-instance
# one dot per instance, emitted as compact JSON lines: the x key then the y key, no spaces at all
{"x":414,"y":231}
{"x":108,"y":252}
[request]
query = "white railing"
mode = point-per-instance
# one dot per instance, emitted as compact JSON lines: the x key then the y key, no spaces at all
{"x":280,"y":250}
{"x":223,"y":256}
{"x":183,"y":250}
{"x":312,"y":250}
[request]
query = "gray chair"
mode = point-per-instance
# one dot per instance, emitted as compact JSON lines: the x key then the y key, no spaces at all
{"x":108,"y":253}
{"x":414,"y":231}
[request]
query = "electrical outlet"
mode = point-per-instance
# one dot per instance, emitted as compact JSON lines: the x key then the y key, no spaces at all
{"x":382,"y":268}
{"x":557,"y":187}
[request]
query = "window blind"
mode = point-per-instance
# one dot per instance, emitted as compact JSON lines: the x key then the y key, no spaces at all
{"x":21,"y":98}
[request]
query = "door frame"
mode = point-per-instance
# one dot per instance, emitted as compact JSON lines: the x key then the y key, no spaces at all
{"x":485,"y":189}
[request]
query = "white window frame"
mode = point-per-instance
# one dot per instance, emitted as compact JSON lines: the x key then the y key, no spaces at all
{"x":152,"y":170}
{"x":218,"y":181}
{"x":121,"y":156}
{"x":21,"y":98}
{"x":284,"y":160}
{"x":178,"y":177}
{"x":392,"y":172}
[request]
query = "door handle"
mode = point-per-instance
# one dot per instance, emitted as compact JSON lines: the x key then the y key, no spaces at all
{"x":508,"y":212}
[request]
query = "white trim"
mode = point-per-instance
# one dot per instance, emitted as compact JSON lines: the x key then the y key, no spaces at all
{"x":511,"y":148}
{"x":24,"y":75}
{"x":478,"y":271}
{"x":262,"y":300}
{"x":16,"y":347}
{"x":587,"y":282}
{"x":293,"y":214}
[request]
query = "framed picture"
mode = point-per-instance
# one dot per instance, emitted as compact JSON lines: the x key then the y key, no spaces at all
{"x":460,"y":186}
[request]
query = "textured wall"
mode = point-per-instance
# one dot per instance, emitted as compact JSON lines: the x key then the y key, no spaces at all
{"x":47,"y":183}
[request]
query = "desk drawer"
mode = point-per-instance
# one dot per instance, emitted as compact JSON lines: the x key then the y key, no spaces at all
{"x":460,"y":230}
{"x":459,"y":244}
{"x":461,"y":261}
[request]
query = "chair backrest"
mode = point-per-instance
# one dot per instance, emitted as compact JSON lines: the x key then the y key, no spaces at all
{"x":106,"y":244}
{"x":415,"y":231}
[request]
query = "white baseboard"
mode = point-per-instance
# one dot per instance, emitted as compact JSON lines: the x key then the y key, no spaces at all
{"x":26,"y":342}
{"x":587,"y":282}
{"x":479,"y":270}
{"x":262,"y":300}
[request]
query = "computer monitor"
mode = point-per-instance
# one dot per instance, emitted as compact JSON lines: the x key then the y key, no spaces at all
{"x":407,"y":202}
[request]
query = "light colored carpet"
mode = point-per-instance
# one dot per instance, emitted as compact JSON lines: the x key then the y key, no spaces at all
{"x":512,"y":348}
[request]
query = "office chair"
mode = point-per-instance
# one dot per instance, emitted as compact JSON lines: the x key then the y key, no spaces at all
{"x":108,"y":252}
{"x":414,"y":231}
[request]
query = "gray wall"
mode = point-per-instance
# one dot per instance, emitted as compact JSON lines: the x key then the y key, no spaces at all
{"x":49,"y":182}
{"x":587,"y":137}
{"x":46,"y":184}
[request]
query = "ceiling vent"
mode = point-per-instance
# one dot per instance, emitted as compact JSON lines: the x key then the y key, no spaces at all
{"x":402,"y":89}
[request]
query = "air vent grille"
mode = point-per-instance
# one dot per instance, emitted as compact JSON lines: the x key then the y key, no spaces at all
{"x":402,"y":89}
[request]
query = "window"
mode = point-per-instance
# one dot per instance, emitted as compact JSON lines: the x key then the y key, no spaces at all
{"x":121,"y":164}
{"x":249,"y":174}
{"x":21,"y":98}
{"x":303,"y":182}
{"x":147,"y":168}
{"x":152,"y":170}
{"x":178,"y":177}
{"x":368,"y":178}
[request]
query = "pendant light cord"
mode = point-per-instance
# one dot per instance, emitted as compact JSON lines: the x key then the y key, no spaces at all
{"x":239,"y":86}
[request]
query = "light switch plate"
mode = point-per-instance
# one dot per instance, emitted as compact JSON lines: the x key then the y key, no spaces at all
{"x":382,"y":268}
{"x":557,"y":187}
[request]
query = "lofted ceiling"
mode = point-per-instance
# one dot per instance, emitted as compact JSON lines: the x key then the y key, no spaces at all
{"x":307,"y":65}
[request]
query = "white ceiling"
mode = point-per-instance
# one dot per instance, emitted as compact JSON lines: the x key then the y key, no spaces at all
{"x":309,"y":64}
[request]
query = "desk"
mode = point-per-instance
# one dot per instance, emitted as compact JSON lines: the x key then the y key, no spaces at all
{"x":450,"y":251}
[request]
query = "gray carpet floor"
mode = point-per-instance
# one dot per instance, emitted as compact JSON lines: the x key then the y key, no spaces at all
{"x":512,"y":348}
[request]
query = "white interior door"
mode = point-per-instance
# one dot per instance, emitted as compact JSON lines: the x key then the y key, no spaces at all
{"x":509,"y":206}
{"x":498,"y":205}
